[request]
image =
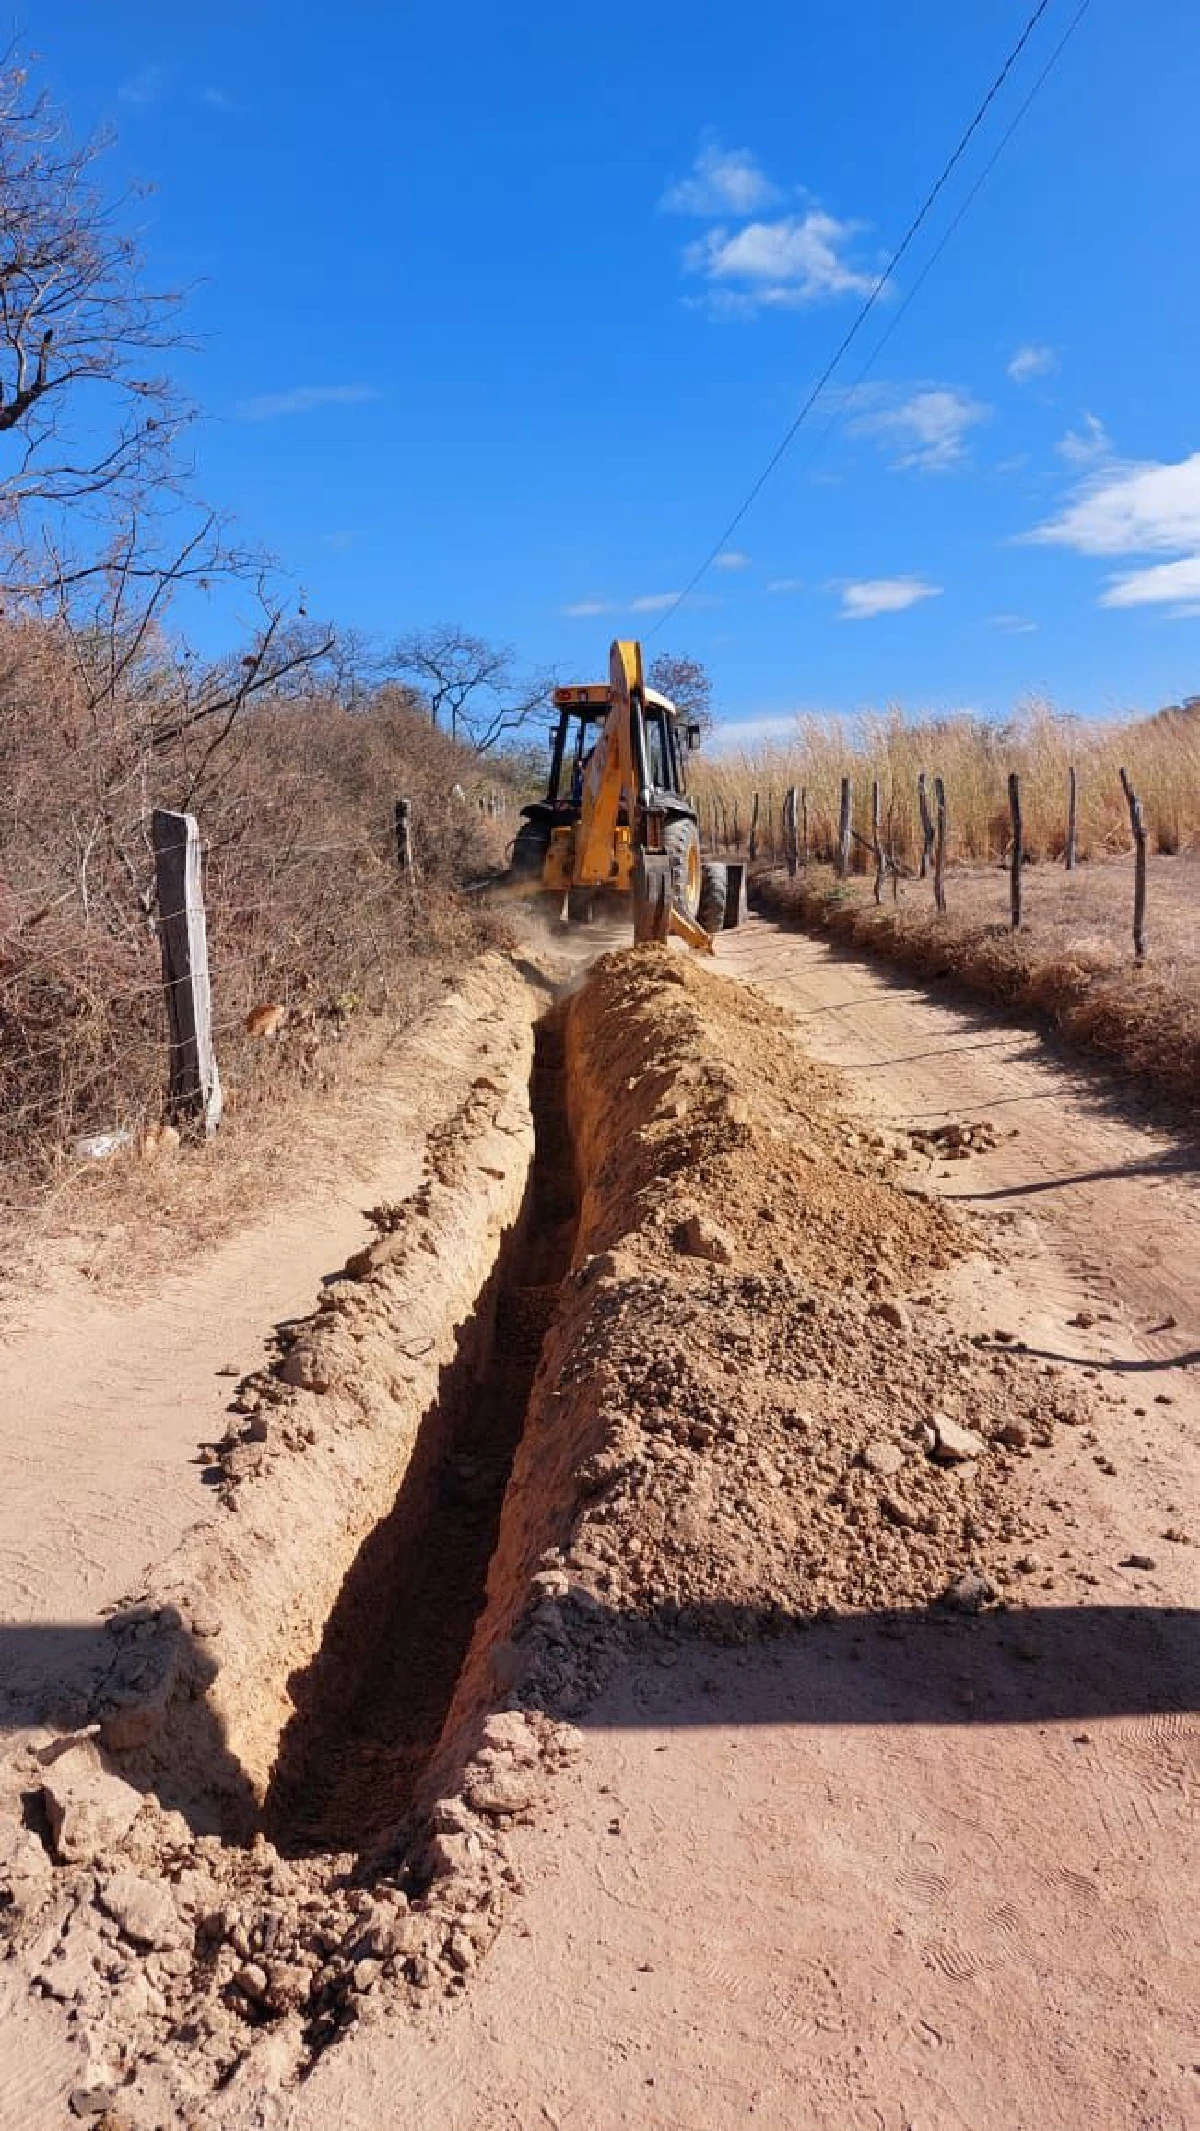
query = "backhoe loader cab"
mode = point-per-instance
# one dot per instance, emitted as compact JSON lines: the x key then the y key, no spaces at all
{"x":616,"y":815}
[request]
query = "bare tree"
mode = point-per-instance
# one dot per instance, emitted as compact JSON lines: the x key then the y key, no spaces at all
{"x":687,"y":683}
{"x":84,"y":416}
{"x":151,"y":722}
{"x":470,"y":687}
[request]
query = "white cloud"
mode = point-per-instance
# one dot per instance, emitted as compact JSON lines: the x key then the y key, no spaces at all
{"x":928,"y":430}
{"x":1148,"y":507}
{"x":147,"y":86}
{"x":1085,"y":446}
{"x":795,"y":260}
{"x":869,"y":596}
{"x":1012,"y":624}
{"x":731,"y":559}
{"x":302,"y":399}
{"x":652,"y":602}
{"x":747,"y":732}
{"x":1170,"y":584}
{"x":643,"y":603}
{"x":1143,"y":508}
{"x":220,"y":100}
{"x":723,"y":181}
{"x":785,"y":584}
{"x":1032,"y":361}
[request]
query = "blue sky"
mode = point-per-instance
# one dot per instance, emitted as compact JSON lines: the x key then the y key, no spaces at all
{"x":500,"y":311}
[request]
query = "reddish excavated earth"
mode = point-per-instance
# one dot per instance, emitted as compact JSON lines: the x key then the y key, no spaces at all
{"x":858,"y":1876}
{"x":845,"y":1883}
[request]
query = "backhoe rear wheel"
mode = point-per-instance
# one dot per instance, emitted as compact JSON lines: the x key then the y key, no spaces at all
{"x":681,"y":842}
{"x":714,"y":895}
{"x":530,"y":845}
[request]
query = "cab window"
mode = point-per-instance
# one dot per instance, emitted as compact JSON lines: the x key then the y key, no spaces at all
{"x":658,"y":761}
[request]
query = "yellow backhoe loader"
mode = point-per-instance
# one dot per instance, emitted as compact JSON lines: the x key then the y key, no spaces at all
{"x":616,"y":815}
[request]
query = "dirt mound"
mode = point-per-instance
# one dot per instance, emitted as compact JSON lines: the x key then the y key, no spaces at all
{"x":688,"y":1091}
{"x":743,"y":1420}
{"x":741,"y":1417}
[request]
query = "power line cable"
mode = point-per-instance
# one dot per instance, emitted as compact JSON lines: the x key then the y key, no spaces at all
{"x":874,"y":293}
{"x":953,"y":226}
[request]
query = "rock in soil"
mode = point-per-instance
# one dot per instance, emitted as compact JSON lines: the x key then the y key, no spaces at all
{"x":885,"y":1460}
{"x":954,"y":1444}
{"x":144,"y":1910}
{"x":969,"y":1593}
{"x":701,"y":1237}
{"x":89,"y":1809}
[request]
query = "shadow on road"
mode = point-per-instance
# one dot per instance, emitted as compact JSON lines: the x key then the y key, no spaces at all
{"x":1038,"y":1665}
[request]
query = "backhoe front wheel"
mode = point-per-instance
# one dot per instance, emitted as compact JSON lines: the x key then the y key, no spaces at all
{"x":681,"y":842}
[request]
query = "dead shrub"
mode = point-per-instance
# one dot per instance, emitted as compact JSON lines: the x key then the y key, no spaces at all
{"x":306,"y":904}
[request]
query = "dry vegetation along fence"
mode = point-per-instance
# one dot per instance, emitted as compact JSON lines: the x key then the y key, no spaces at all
{"x":974,"y":759}
{"x":309,"y":908}
{"x":1107,"y":949}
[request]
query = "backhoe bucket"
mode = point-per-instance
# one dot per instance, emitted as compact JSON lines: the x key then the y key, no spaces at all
{"x":651,"y":897}
{"x":655,"y":916}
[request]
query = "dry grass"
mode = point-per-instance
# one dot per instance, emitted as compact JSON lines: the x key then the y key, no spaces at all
{"x":305,"y":903}
{"x":1072,"y":960}
{"x":1162,"y":755}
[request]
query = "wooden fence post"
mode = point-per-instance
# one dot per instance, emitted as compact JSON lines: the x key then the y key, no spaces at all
{"x":771,"y":822}
{"x":405,"y":858}
{"x":404,"y":850}
{"x":789,"y":830}
{"x":194,"y":1082}
{"x":1014,"y":875}
{"x":939,"y":848}
{"x":843,"y":842}
{"x":1072,"y":816}
{"x":737,"y":828}
{"x":927,"y":830}
{"x":753,"y":845}
{"x":1138,"y":826}
{"x":876,"y":845}
{"x":804,"y":826}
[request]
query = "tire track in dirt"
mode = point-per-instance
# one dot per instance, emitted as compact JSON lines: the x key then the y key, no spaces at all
{"x":1092,"y":1159}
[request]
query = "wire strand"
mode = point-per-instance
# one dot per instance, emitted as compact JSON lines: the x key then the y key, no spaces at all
{"x":952,"y":226}
{"x":874,"y":293}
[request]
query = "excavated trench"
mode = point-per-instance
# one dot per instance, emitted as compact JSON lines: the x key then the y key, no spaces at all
{"x":371,"y":1709}
{"x":672,"y":1439}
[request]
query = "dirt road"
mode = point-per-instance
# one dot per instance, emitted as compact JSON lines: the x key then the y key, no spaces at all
{"x":107,"y":1400}
{"x":854,"y":1879}
{"x":841,"y":1884}
{"x":1112,"y":1188}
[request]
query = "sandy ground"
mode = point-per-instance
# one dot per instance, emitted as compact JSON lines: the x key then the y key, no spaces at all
{"x":106,"y":1401}
{"x":831,"y":1882}
{"x":1112,"y":1188}
{"x":829,"y":1886}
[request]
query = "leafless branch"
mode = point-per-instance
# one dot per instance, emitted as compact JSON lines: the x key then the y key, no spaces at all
{"x":469,"y":686}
